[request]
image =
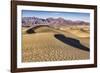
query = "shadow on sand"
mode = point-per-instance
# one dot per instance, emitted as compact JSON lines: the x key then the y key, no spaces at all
{"x":72,"y":42}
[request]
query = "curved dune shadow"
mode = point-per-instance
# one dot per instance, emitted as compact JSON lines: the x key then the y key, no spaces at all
{"x":30,"y":31}
{"x":72,"y":42}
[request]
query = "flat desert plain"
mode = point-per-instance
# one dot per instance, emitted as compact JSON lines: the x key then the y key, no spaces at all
{"x":55,"y":44}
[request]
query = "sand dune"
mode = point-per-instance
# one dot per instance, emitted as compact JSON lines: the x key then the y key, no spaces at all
{"x":54,"y":45}
{"x":79,"y":31}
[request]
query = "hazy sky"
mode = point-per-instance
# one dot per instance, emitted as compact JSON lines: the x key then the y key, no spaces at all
{"x":66,"y":15}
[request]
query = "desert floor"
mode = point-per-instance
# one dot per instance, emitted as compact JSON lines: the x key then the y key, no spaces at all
{"x":65,"y":43}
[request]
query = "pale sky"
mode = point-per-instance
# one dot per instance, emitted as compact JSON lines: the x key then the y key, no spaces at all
{"x":66,"y":15}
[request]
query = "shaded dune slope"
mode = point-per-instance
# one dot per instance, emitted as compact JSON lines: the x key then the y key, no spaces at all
{"x":39,"y":28}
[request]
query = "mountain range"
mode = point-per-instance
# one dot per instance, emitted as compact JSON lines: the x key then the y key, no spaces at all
{"x":32,"y":21}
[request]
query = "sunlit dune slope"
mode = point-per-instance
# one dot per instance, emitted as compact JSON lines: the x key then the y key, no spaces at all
{"x":46,"y":44}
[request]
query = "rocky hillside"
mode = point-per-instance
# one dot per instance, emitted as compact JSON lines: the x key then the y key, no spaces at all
{"x":31,"y":21}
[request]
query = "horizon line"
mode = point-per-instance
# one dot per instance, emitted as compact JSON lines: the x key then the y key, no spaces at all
{"x":56,"y":18}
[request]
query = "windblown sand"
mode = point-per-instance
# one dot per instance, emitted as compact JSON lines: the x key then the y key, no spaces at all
{"x":44,"y":46}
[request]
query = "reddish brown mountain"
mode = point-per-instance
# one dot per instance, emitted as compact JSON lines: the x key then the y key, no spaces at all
{"x":31,"y":21}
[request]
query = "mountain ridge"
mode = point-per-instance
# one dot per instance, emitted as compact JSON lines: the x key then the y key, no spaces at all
{"x":31,"y":21}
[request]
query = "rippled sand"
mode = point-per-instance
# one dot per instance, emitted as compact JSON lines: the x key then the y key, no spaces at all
{"x":45,"y":47}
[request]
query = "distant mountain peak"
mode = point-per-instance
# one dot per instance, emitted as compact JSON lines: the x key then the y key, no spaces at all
{"x":31,"y":21}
